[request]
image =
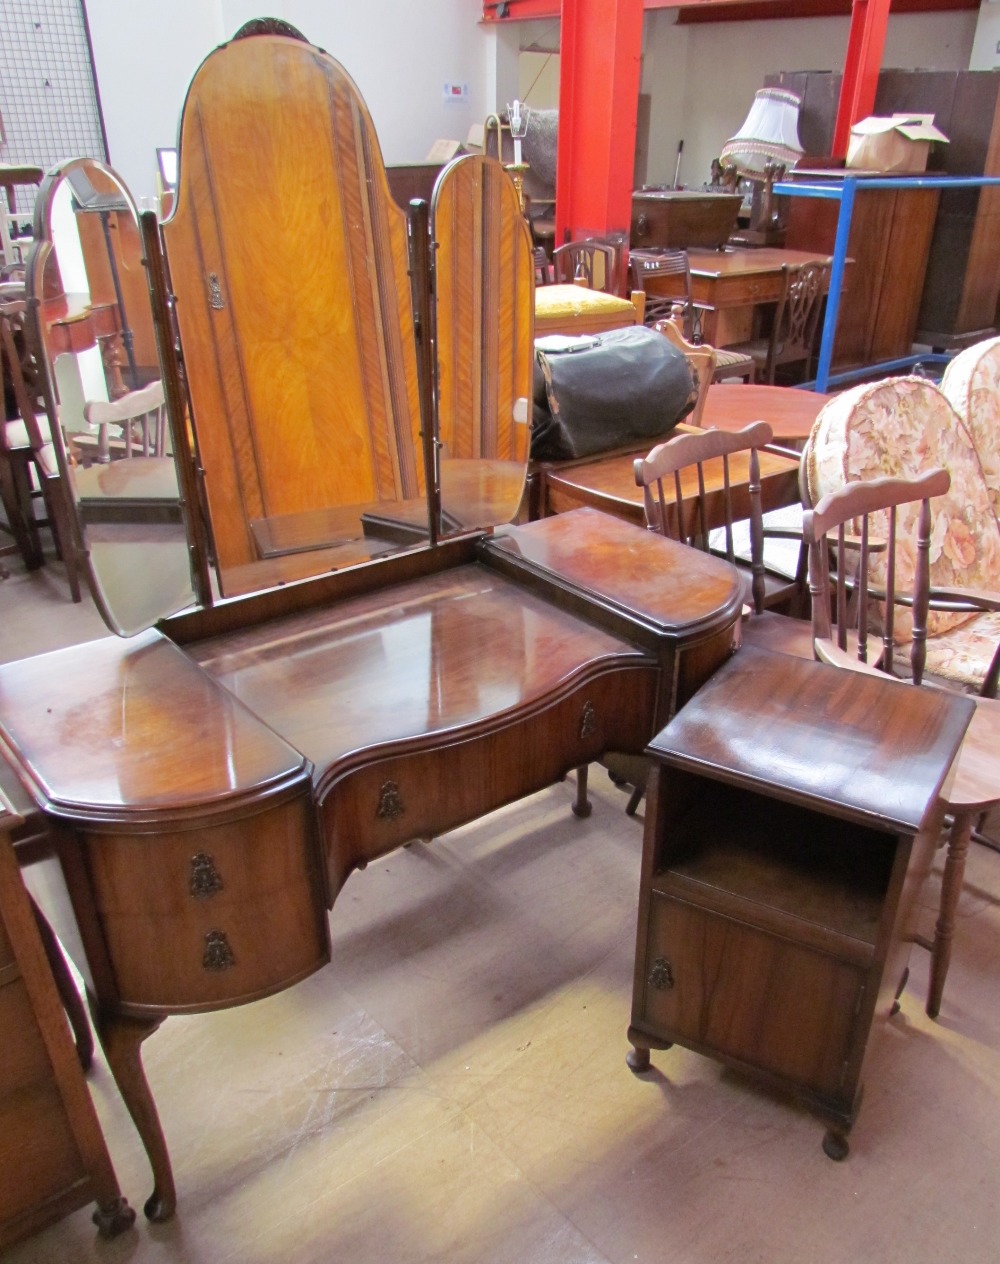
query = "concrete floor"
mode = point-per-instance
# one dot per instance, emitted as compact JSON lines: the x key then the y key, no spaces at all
{"x":453,"y":1086}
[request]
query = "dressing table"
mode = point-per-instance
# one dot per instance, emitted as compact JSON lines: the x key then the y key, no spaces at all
{"x":360,"y":654}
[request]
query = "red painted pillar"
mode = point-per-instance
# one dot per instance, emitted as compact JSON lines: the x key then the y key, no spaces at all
{"x":599,"y":72}
{"x":869,"y":19}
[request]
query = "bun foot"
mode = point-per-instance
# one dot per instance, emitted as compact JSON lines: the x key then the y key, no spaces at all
{"x":114,"y":1218}
{"x":835,"y":1145}
{"x":637,"y":1059}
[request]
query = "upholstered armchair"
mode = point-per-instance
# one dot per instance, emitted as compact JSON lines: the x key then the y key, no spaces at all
{"x":972,"y":384}
{"x":903,"y":427}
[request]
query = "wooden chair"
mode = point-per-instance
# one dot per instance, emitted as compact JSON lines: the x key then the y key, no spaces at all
{"x":645,"y":268}
{"x":141,"y":416}
{"x":794,"y":330}
{"x":543,"y":267}
{"x":28,"y":463}
{"x":901,"y":427}
{"x":701,"y":358}
{"x":889,"y":519}
{"x":592,"y":263}
{"x":673,"y":475}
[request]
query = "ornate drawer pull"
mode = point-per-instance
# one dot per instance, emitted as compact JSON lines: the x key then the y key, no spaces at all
{"x":588,"y":720}
{"x":215,"y":292}
{"x":661,"y":976}
{"x":205,"y":880}
{"x":218,"y":953}
{"x":390,"y":802}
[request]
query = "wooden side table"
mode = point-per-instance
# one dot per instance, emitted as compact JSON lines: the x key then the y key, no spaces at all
{"x":791,"y":820}
{"x":52,"y":1151}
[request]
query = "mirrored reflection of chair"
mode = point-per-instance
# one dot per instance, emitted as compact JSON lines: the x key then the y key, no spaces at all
{"x":879,"y":536}
{"x":591,"y":263}
{"x":794,"y":330}
{"x":900,"y":428}
{"x":139,"y":418}
{"x":29,"y":467}
{"x":543,"y":267}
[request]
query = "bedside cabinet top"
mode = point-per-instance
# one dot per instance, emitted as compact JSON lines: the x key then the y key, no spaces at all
{"x":870,"y":750}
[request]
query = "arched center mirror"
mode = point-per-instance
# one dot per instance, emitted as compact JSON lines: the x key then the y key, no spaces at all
{"x":347,"y":389}
{"x":89,"y":299}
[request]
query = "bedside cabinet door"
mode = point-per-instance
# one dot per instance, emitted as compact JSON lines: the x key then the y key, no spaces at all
{"x":724,"y":987}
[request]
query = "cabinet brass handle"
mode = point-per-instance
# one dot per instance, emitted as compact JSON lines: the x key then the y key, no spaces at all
{"x":661,"y":976}
{"x":218,"y":953}
{"x":205,"y":880}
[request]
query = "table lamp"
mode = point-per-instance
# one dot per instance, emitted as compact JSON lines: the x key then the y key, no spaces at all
{"x":765,"y":145}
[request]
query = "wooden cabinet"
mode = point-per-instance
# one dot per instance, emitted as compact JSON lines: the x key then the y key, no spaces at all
{"x":780,"y":871}
{"x":52,"y":1152}
{"x":956,"y":302}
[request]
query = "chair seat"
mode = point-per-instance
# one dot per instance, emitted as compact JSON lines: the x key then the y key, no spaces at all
{"x":16,"y":433}
{"x":962,"y":655}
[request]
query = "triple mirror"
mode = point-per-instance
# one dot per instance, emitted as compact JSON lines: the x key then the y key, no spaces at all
{"x":344,"y":378}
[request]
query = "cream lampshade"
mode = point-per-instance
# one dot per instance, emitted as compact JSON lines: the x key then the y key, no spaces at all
{"x":765,"y":145}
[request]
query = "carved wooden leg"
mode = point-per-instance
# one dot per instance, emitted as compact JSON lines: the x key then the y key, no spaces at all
{"x":951,"y":889}
{"x":582,"y":805}
{"x":121,"y":1039}
{"x":72,"y":1002}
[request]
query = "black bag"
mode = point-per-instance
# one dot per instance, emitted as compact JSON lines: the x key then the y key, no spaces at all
{"x":608,"y":391}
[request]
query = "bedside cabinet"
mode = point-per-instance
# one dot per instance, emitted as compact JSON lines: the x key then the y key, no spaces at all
{"x":52,"y":1152}
{"x":791,"y":821}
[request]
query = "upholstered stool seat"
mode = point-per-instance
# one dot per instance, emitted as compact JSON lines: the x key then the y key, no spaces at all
{"x":574,"y":309}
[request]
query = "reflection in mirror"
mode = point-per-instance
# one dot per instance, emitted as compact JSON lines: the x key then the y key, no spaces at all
{"x":300,"y":361}
{"x":89,"y":301}
{"x":483,"y":323}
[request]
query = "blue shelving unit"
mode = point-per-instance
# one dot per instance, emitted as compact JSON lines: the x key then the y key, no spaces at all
{"x":843,"y":187}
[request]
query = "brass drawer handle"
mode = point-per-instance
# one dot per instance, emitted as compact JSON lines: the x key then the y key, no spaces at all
{"x":588,"y":720}
{"x":661,"y":976}
{"x":218,"y":953}
{"x":390,"y":802}
{"x":205,"y":880}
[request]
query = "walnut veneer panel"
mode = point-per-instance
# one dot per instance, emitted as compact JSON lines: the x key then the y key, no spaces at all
{"x":288,"y":259}
{"x":484,"y":285}
{"x":142,"y":734}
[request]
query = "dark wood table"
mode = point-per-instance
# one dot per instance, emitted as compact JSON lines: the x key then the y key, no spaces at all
{"x":608,"y":483}
{"x":726,"y":285}
{"x":788,"y":411}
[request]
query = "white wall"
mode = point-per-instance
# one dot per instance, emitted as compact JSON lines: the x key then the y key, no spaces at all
{"x":399,"y":55}
{"x":704,"y":76}
{"x":986,"y":46}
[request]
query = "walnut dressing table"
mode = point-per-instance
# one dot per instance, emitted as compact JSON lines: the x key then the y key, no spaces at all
{"x":393,"y":663}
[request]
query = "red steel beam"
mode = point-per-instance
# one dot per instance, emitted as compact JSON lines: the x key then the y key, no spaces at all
{"x":869,"y":19}
{"x":598,"y":106}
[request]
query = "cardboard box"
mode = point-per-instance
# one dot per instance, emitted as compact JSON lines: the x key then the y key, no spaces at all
{"x":899,"y":143}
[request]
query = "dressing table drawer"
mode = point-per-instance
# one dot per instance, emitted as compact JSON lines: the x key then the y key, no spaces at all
{"x":392,"y":801}
{"x":210,"y":915}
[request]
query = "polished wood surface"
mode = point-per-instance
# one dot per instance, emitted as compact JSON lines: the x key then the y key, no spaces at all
{"x":787,"y":840}
{"x":789,"y":412}
{"x":608,"y":483}
{"x":734,"y":280}
{"x":52,"y":1150}
{"x":213,"y":783}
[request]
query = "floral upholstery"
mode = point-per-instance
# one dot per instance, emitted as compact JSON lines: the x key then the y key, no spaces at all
{"x":972,"y":384}
{"x":904,"y":427}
